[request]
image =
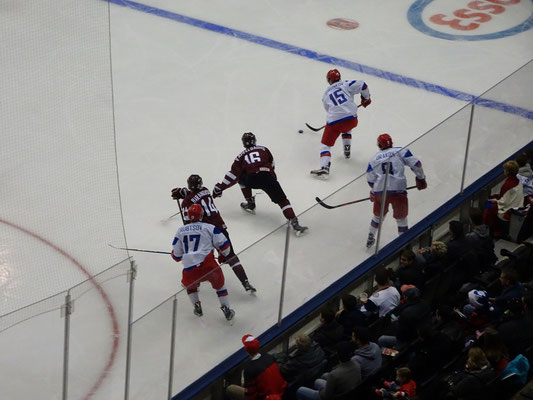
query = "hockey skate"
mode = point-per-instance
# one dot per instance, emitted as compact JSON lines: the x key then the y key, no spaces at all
{"x":198,"y":309}
{"x":370,"y":241}
{"x":298,"y":229}
{"x":228,"y":312}
{"x":347,"y":148}
{"x":249,"y":206}
{"x":248,"y":287}
{"x":322,"y":173}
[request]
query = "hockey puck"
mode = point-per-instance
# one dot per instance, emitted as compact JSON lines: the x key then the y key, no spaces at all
{"x":300,"y":131}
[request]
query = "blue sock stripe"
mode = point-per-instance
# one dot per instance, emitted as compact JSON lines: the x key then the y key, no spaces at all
{"x":364,"y":69}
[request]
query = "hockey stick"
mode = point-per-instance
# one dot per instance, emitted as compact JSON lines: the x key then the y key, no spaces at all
{"x":163,"y":221}
{"x":350,"y":202}
{"x":322,"y":127}
{"x":141,"y":250}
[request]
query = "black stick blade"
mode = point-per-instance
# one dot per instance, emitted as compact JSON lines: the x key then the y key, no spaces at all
{"x":323,"y":204}
{"x":314,"y":129}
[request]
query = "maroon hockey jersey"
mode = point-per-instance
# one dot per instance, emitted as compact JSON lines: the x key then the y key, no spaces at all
{"x":211,"y":214}
{"x":251,"y":161}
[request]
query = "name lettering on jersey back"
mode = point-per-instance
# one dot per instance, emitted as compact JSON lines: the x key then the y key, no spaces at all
{"x":387,"y":154}
{"x":193,"y":227}
{"x":199,"y":195}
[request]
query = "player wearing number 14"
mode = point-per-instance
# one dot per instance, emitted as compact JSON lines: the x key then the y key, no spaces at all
{"x":341,"y":116}
{"x":391,"y":160}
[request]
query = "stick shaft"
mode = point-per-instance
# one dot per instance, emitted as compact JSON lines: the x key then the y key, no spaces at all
{"x":141,"y":250}
{"x":329,"y":207}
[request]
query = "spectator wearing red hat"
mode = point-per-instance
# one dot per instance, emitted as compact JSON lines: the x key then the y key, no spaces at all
{"x":262,"y":378}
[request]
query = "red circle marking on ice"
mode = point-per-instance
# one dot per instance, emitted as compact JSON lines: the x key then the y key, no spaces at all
{"x":344,"y":24}
{"x":109,"y":306}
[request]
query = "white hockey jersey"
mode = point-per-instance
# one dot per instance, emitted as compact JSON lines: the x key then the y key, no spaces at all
{"x":193,"y":243}
{"x":338,"y":100}
{"x":395,"y":158}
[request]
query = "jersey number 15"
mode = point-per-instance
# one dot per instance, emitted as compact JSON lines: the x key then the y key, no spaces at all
{"x":338,"y":97}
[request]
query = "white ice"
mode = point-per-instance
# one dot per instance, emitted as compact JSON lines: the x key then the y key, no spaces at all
{"x":183,"y":97}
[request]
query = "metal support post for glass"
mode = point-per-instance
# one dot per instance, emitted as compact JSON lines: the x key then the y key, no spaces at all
{"x":66,"y":310}
{"x":383,"y":202}
{"x":172,"y":347}
{"x":285,"y":257}
{"x":467,"y":146}
{"x":132,"y":273}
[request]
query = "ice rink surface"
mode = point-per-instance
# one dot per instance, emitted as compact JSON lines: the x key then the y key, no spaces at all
{"x":190,"y":77}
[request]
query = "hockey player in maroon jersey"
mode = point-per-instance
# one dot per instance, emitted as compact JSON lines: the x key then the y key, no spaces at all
{"x":254,"y":169}
{"x":196,"y":193}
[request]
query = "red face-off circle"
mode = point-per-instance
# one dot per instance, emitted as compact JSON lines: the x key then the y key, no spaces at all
{"x":343,"y":24}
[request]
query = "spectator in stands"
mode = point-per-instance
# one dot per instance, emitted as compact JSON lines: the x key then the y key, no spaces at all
{"x":511,"y":289}
{"x":479,"y":238}
{"x":404,"y":386}
{"x":433,"y":259}
{"x":367,"y":353}
{"x":447,"y":322}
{"x":496,"y":214}
{"x":525,"y":176}
{"x":478,"y":302}
{"x":386,"y":297}
{"x":350,"y":315}
{"x":411,"y":314}
{"x":409,"y":271}
{"x":517,"y":332}
{"x":339,"y":382}
{"x":457,"y":245}
{"x":430,"y":351}
{"x":262,"y":378}
{"x":470,"y":383}
{"x":308,"y":357}
{"x":460,"y":251}
{"x":329,"y":333}
{"x":496,"y":352}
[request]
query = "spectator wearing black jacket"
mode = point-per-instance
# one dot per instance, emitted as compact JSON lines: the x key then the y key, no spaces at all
{"x":517,"y":332}
{"x":461,"y":252}
{"x":470,"y":384}
{"x":480,"y":239}
{"x":409,"y":271}
{"x":329,"y":333}
{"x":511,"y":289}
{"x":308,"y":356}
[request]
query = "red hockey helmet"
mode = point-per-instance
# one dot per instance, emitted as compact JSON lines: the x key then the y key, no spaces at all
{"x":195,"y":212}
{"x":333,"y":76}
{"x":384,"y":141}
{"x":248,"y":139}
{"x":194,"y":182}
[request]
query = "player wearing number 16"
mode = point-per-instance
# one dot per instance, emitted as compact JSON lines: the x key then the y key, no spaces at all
{"x":194,"y":246}
{"x":341,"y":116}
{"x":392,"y":160}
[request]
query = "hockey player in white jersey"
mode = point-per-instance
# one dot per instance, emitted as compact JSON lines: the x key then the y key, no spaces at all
{"x":341,"y":116}
{"x":394,"y":160}
{"x":194,"y":246}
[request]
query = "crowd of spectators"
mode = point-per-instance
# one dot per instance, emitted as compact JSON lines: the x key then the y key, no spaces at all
{"x":450,"y":322}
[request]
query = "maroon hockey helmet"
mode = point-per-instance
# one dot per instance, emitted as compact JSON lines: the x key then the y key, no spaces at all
{"x":248,"y":139}
{"x":194,"y":182}
{"x":333,"y":76}
{"x":384,"y":141}
{"x":195,"y":212}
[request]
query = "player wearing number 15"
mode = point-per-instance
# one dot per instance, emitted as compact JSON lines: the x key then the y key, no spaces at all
{"x":393,"y":160}
{"x":196,"y":193}
{"x":341,"y":116}
{"x":194,"y":245}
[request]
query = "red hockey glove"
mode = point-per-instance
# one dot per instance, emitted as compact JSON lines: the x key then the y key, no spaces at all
{"x":372,"y":196}
{"x":365,"y":102}
{"x":421,"y":184}
{"x":179,"y":193}
{"x":217,"y":191}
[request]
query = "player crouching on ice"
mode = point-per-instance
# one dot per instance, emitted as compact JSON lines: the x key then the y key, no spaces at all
{"x":194,"y":245}
{"x":392,"y":159}
{"x":253,"y":168}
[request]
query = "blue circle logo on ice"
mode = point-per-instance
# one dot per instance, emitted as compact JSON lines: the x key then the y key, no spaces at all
{"x":471,"y":20}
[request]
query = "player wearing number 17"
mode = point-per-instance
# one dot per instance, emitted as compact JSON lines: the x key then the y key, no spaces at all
{"x":392,"y":160}
{"x":194,"y":245}
{"x":341,"y":116}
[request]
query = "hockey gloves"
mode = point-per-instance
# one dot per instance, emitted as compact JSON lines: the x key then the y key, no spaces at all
{"x":365,"y":102}
{"x":217,"y":191}
{"x":421,"y":184}
{"x":179,"y":193}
